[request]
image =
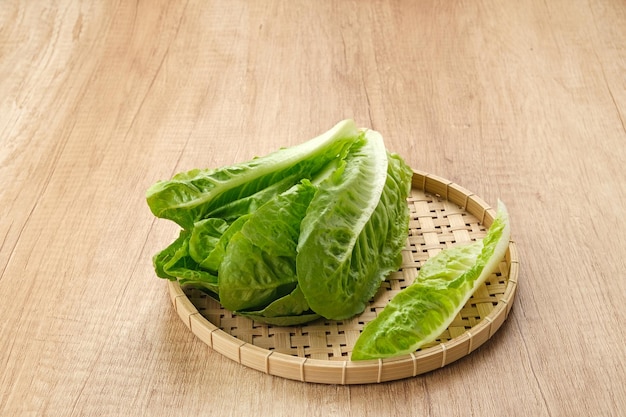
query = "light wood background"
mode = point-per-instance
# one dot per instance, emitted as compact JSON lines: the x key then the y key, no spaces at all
{"x":521,"y":100}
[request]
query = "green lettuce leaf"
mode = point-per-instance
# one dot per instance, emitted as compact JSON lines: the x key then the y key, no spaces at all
{"x":354,"y":230}
{"x":260,"y":261}
{"x":205,"y":236}
{"x":190,"y":196}
{"x":421,"y":312}
{"x":237,"y":208}
{"x":162,"y":258}
{"x":175,"y":263}
{"x":209,"y":249}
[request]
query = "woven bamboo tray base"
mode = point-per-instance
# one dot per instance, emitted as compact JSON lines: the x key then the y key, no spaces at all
{"x":442,"y":214}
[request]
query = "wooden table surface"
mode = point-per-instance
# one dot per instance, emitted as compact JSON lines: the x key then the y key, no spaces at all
{"x":523,"y":101}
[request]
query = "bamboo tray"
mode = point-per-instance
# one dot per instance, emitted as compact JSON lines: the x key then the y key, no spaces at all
{"x":442,"y":213}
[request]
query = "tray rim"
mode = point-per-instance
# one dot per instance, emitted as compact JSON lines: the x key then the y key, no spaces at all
{"x":345,"y":372}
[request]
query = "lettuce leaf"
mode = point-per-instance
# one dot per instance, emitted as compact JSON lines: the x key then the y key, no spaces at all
{"x":422,"y":311}
{"x":207,"y":249}
{"x":260,"y":261}
{"x":175,"y":263}
{"x":354,"y":230}
{"x":191,"y":196}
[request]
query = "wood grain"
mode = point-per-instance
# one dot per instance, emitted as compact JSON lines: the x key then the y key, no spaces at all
{"x":523,"y":101}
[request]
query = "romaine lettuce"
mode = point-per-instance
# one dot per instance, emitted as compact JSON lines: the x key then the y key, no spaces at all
{"x":305,"y":232}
